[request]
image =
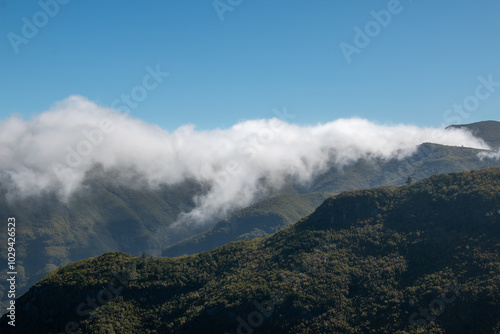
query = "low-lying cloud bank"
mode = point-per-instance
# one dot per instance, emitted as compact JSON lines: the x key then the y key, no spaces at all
{"x":53,"y":151}
{"x":490,"y":155}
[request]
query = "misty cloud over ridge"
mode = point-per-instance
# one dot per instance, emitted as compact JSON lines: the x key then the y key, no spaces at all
{"x":55,"y":149}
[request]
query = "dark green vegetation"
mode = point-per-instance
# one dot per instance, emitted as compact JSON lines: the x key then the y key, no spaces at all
{"x":258,"y":220}
{"x":489,"y":131}
{"x":271,"y":216}
{"x":107,"y":216}
{"x":429,"y":159}
{"x":423,"y":258}
{"x":103,"y":217}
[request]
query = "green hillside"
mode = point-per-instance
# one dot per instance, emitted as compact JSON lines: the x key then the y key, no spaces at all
{"x":258,"y":220}
{"x":423,"y":258}
{"x":429,"y":159}
{"x":489,"y":131}
{"x":103,"y":217}
{"x":107,"y":216}
{"x":271,"y":215}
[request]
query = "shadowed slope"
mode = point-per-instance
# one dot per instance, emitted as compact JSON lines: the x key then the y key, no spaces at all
{"x":419,"y":258}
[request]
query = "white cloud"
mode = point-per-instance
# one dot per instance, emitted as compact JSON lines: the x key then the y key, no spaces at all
{"x":55,"y":149}
{"x":490,"y":155}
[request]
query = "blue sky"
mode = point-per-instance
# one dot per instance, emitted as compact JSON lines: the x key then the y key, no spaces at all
{"x":263,"y":55}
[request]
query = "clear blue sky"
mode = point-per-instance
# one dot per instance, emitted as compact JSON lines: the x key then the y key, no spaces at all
{"x":263,"y":55}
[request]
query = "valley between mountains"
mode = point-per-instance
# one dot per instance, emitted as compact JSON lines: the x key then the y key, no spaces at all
{"x":412,"y":259}
{"x":379,"y":245}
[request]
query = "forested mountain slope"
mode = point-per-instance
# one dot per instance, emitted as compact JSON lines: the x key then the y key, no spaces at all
{"x":489,"y":131}
{"x":418,"y":258}
{"x":258,"y":220}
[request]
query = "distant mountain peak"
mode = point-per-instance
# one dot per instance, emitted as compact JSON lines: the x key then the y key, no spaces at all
{"x":489,"y":131}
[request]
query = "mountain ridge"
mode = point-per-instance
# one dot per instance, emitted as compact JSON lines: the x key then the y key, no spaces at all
{"x":415,"y":258}
{"x":106,"y":216}
{"x":272,"y":214}
{"x":489,"y":131}
{"x":429,"y":159}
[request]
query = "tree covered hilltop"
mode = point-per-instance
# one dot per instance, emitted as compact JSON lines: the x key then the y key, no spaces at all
{"x":421,"y":258}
